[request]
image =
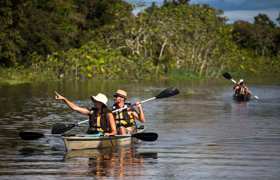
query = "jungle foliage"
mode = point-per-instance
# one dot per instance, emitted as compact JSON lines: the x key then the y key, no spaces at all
{"x":104,"y":39}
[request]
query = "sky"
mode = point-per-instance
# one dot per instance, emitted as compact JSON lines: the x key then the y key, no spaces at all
{"x":233,"y":9}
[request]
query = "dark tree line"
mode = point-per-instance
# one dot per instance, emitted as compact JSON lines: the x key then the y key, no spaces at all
{"x":42,"y":27}
{"x":261,"y":37}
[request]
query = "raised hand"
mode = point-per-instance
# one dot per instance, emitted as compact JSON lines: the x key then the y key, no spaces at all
{"x":58,"y":96}
{"x":138,"y":104}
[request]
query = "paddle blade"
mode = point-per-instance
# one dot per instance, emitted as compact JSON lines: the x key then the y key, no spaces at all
{"x":30,"y":135}
{"x":172,"y":91}
{"x":227,"y":76}
{"x":146,"y":136}
{"x":256,"y":97}
{"x":60,"y":128}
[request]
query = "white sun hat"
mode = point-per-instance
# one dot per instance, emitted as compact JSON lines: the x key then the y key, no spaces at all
{"x":100,"y":98}
{"x":240,"y":81}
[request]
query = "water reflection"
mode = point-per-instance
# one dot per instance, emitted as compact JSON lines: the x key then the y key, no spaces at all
{"x":203,"y":134}
{"x":30,"y":151}
{"x":117,"y":162}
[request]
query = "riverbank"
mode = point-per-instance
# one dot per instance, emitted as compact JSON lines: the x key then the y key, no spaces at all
{"x":19,"y":75}
{"x":176,"y":41}
{"x":15,"y":76}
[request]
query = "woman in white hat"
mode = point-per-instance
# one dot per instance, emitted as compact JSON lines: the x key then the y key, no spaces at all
{"x":101,"y":120}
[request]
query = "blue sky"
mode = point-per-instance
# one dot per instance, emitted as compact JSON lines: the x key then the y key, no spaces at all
{"x":234,"y":9}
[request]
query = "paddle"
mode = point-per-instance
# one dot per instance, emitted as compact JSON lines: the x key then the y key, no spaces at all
{"x":168,"y":92}
{"x":228,"y":76}
{"x":60,"y":128}
{"x":30,"y":135}
{"x":144,"y":136}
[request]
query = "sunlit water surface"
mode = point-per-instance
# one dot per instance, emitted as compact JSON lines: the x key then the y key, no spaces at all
{"x":203,"y":134}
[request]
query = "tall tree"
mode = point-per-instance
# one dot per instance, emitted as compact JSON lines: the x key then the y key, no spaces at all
{"x":263,"y":20}
{"x":37,"y":26}
{"x":260,"y":36}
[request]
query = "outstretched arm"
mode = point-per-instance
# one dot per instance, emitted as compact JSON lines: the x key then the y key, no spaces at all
{"x":72,"y":105}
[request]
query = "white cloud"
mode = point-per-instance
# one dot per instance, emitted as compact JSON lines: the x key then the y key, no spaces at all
{"x":241,"y":4}
{"x":234,"y":9}
{"x":248,"y":15}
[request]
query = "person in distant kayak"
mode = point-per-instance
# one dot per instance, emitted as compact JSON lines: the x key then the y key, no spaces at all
{"x":125,"y":119}
{"x":101,"y":119}
{"x":240,"y":89}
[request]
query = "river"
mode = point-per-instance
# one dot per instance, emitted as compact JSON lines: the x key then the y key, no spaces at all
{"x":203,"y":133}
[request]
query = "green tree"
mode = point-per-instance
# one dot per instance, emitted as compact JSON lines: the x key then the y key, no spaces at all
{"x":35,"y":26}
{"x":11,"y":41}
{"x":263,"y":20}
{"x":260,"y":37}
{"x":101,"y":18}
{"x":179,"y":37}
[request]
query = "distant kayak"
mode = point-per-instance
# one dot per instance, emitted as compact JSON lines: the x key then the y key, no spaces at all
{"x":241,"y":97}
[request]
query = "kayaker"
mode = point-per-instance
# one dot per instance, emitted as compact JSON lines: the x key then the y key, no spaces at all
{"x":101,"y":119}
{"x":125,"y":119}
{"x":240,"y":89}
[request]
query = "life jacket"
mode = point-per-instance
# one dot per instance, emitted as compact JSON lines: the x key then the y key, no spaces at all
{"x":99,"y":121}
{"x":241,"y":90}
{"x":124,"y":118}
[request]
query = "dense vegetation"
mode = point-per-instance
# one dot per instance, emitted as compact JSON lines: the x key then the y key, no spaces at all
{"x":53,"y":39}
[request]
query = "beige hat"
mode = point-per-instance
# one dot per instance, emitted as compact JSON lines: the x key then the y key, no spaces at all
{"x":120,"y":93}
{"x":100,"y":98}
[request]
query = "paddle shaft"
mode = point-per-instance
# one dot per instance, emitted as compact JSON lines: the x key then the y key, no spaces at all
{"x":81,"y":122}
{"x":86,"y":121}
{"x":121,"y":109}
{"x":233,"y":81}
{"x":163,"y":94}
{"x":61,"y":128}
{"x":144,"y":136}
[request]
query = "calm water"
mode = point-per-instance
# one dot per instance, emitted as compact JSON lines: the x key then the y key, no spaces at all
{"x":203,"y":134}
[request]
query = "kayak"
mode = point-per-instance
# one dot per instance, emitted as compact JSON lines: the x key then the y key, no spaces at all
{"x":240,"y":97}
{"x":92,"y":141}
